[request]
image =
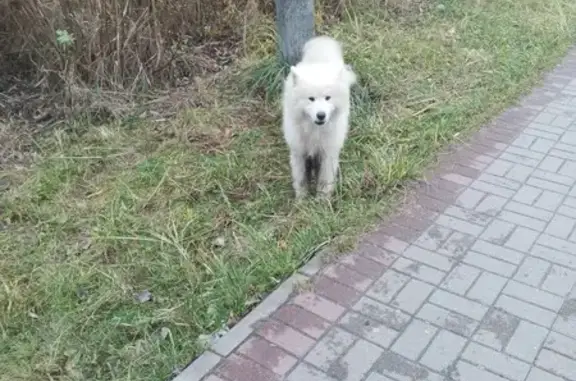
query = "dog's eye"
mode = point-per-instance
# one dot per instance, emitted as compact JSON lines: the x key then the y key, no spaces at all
{"x":328,"y":97}
{"x":311,"y":99}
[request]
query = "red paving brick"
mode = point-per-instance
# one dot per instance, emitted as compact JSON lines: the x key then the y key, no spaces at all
{"x":305,"y":321}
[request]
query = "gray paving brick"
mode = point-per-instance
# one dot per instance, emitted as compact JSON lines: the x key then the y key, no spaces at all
{"x":412,"y":296}
{"x":557,"y":364}
{"x":498,"y":232}
{"x":470,"y":198}
{"x":458,"y":304}
{"x":526,"y":341}
{"x":559,"y":280}
{"x":470,"y":372}
{"x":472,"y":216}
{"x":334,"y":344}
{"x":487,"y":288}
{"x":457,"y":179}
{"x":501,"y":167}
{"x":527,"y":194}
{"x":526,"y":153}
{"x":306,"y":372}
{"x":553,"y":177}
{"x":539,"y":133}
{"x":547,"y":185}
{"x":427,"y":257}
{"x":544,"y":118}
{"x":566,"y":147}
{"x":418,"y":270}
{"x":532,"y":271}
{"x":560,"y":226}
{"x":551,"y":164}
{"x":456,"y":245}
{"x":496,"y":329}
{"x":491,"y":205}
{"x":524,"y":141}
{"x":522,"y":220}
{"x":443,"y":351}
{"x":443,"y":318}
{"x":500,"y":181}
{"x":496,"y":361}
{"x":399,"y":368}
{"x":554,"y":256}
{"x":357,"y":362}
{"x":565,"y":326}
{"x":489,"y":264}
{"x":557,"y":243}
{"x":522,"y":239}
{"x":433,"y":237}
{"x":530,"y":211}
{"x":519,"y":173}
{"x":553,"y":131}
{"x":369,"y":329}
{"x":561,"y":344}
{"x":568,"y":169}
{"x":561,"y":154}
{"x":377,"y":377}
{"x":414,"y":339}
{"x":460,"y":279}
{"x":389,"y":284}
{"x":540,"y":375}
{"x":492,"y":189}
{"x":542,"y":145}
{"x":533,"y":295}
{"x":459,"y":225}
{"x":567,"y":211}
{"x":562,"y":121}
{"x":391,"y":317}
{"x":526,"y":310}
{"x":498,"y":252}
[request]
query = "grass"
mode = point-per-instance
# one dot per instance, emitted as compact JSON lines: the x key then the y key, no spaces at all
{"x":198,"y":210}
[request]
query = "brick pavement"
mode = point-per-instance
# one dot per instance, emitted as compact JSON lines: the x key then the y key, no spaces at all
{"x":472,"y":280}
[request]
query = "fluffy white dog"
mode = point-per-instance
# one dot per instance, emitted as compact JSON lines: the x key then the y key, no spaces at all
{"x":316,"y":108}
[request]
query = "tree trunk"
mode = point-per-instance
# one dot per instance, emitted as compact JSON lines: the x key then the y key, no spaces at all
{"x":295,"y":24}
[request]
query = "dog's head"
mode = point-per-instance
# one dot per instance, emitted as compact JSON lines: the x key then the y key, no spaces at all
{"x":320,"y":90}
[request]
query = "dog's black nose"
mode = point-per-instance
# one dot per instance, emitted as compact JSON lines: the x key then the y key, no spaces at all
{"x":321,"y":115}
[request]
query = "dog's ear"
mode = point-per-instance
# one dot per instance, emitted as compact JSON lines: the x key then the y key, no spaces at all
{"x":348,"y":75}
{"x":294,"y":74}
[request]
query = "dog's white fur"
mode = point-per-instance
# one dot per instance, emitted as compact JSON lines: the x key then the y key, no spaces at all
{"x":318,"y":85}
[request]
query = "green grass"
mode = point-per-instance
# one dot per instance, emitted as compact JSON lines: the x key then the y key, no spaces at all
{"x":198,"y":210}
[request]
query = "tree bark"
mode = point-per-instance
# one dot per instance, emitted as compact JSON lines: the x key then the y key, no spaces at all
{"x":295,"y":24}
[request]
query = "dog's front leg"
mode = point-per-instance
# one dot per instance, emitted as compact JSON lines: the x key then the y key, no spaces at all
{"x":327,"y":174}
{"x":298,"y":166}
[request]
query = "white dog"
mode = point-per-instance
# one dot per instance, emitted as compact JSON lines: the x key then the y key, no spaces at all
{"x":316,"y":108}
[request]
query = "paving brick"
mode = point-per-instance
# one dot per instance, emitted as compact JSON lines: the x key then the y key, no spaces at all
{"x":427,"y":257}
{"x":348,"y":277}
{"x":356,"y":363}
{"x":540,"y":133}
{"x":547,"y":185}
{"x":500,"y":181}
{"x":302,"y":320}
{"x":522,"y":220}
{"x":526,"y":310}
{"x":443,"y":351}
{"x":443,"y":318}
{"x":391,"y":317}
{"x":525,"y":153}
{"x":533,"y":295}
{"x":568,"y":169}
{"x":557,"y":364}
{"x":567,"y":211}
{"x":459,"y":225}
{"x":376,"y":253}
{"x":319,"y":306}
{"x":399,"y":368}
{"x":527,"y":194}
{"x":334,"y":344}
{"x":471,"y":372}
{"x":335,"y":291}
{"x":377,"y":377}
{"x":544,"y":118}
{"x":487,"y":288}
{"x":553,"y":177}
{"x":554,"y":256}
{"x":492,"y":189}
{"x":526,"y":341}
{"x":456,"y":245}
{"x":496,"y":361}
{"x":470,"y":198}
{"x":522,"y":239}
{"x":364,"y":266}
{"x":501,"y":167}
{"x":561,"y":344}
{"x":542,"y":145}
{"x":498,"y":252}
{"x":532,"y":271}
{"x":460,"y":279}
{"x":200,"y":368}
{"x":386,"y":242}
{"x":519,"y":173}
{"x":457,"y":178}
{"x":530,"y":211}
{"x":540,"y":375}
{"x":286,"y":338}
{"x":498,"y":232}
{"x":236,"y":368}
{"x":489,"y":264}
{"x":412,"y":296}
{"x":418,"y":270}
{"x":433,"y":237}
{"x":268,"y":355}
{"x":306,"y":372}
{"x":551,"y":164}
{"x":385,"y":288}
{"x":369,"y":329}
{"x":415,"y":338}
{"x":458,"y":304}
{"x":523,"y":141}
{"x":560,"y":226}
{"x":471,"y":216}
{"x":496,"y":329}
{"x":559,"y":280}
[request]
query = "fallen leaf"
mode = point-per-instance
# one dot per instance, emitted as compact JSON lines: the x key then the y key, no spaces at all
{"x":144,"y":296}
